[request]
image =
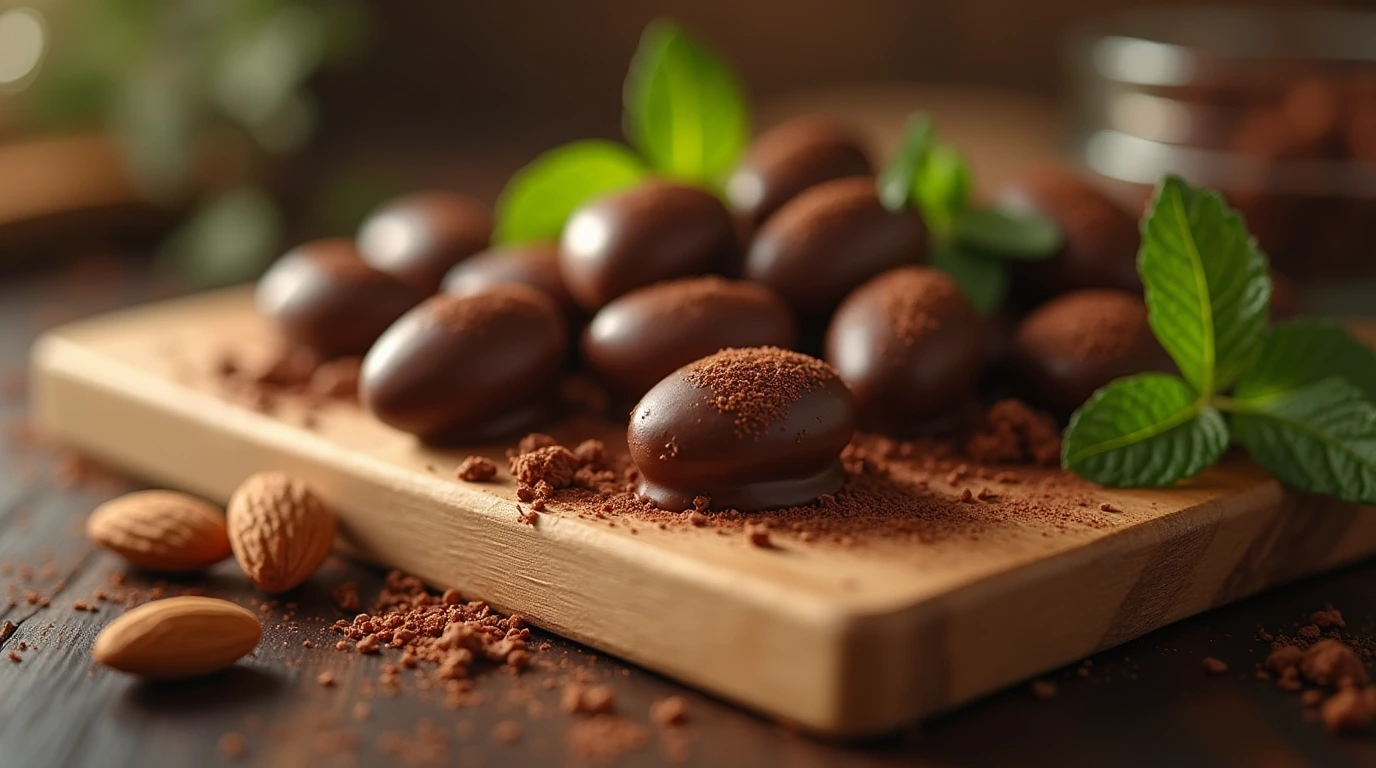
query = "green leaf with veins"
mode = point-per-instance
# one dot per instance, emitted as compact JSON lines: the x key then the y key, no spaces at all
{"x":539,"y":198}
{"x":982,"y":279}
{"x":1207,"y":288}
{"x":684,"y":109}
{"x":1298,"y":353}
{"x":1320,"y":438}
{"x":897,"y":182}
{"x":1143,"y":431}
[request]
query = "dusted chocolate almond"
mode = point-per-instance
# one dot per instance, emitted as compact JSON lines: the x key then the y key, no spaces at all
{"x":652,"y":232}
{"x":830,"y":239}
{"x":323,"y":296}
{"x":788,"y":159}
{"x":418,"y":237}
{"x":650,"y":332}
{"x":468,"y":368}
{"x":1099,"y":248}
{"x":909,"y":346}
{"x":1077,"y":343}
{"x":532,"y":264}
{"x":747,"y":429}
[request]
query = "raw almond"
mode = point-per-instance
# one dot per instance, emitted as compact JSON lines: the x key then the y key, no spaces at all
{"x":178,"y":637}
{"x":161,"y":531}
{"x":279,"y":530}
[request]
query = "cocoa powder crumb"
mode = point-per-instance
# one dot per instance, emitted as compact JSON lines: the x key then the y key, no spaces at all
{"x":966,"y":497}
{"x":1214,"y":666}
{"x":671,"y":710}
{"x":1328,"y":618}
{"x":1309,"y":631}
{"x":526,"y":517}
{"x":325,"y":678}
{"x":758,"y":536}
{"x":1107,"y":507}
{"x":1349,"y":710}
{"x":14,"y":657}
{"x":346,"y":596}
{"x":552,"y":464}
{"x":1283,"y":658}
{"x":476,"y":469}
{"x":1329,"y":662}
{"x":588,"y":700}
{"x":1013,"y":433}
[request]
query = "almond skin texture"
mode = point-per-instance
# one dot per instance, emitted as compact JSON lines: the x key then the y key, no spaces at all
{"x":161,"y":531}
{"x":279,"y":530}
{"x":178,"y":637}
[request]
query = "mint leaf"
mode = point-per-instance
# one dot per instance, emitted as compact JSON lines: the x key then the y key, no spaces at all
{"x":942,"y":188}
{"x":1298,"y":353}
{"x":983,"y":280}
{"x":1012,"y":235}
{"x":897,"y":182}
{"x":539,"y":198}
{"x":1207,"y":289}
{"x":685,"y":111}
{"x":1143,"y":431}
{"x":1320,"y":438}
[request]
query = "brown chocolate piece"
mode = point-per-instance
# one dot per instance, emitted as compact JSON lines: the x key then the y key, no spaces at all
{"x":323,"y":296}
{"x":655,"y":231}
{"x":910,"y":347}
{"x":468,"y":368}
{"x":749,"y":429}
{"x":829,"y":240}
{"x":1075,"y":344}
{"x":1100,"y":238}
{"x":532,"y":264}
{"x":418,"y":237}
{"x":789,"y":158}
{"x":649,"y":333}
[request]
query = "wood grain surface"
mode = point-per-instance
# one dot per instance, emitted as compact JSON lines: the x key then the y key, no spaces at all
{"x":1146,"y":703}
{"x":839,"y":641}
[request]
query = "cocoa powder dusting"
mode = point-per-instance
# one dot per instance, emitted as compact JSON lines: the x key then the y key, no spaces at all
{"x":476,"y":469}
{"x":1013,"y":433}
{"x":757,"y":385}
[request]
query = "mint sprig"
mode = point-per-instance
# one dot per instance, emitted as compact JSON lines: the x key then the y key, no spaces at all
{"x":969,"y":242}
{"x":1303,"y":400}
{"x":685,"y":115}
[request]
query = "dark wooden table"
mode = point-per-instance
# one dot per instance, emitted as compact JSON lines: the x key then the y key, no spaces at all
{"x":1146,"y":703}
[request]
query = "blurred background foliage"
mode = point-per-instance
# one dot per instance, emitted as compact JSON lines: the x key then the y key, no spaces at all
{"x":202,"y":98}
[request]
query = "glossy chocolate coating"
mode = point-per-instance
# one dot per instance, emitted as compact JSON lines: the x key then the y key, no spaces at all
{"x":655,"y":231}
{"x":756,"y":428}
{"x":468,"y":368}
{"x":1100,"y":238}
{"x":830,"y":239}
{"x":650,"y":332}
{"x":789,"y":158}
{"x":910,"y":347}
{"x":532,"y":264}
{"x":323,"y":296}
{"x":419,"y":237}
{"x":1076,"y":343}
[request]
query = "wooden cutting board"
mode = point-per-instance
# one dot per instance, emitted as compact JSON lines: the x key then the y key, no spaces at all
{"x":841,"y":640}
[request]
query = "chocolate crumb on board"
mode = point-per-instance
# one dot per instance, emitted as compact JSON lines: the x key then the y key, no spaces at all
{"x":1214,"y":666}
{"x":671,"y":710}
{"x":526,"y":516}
{"x":758,"y":536}
{"x":476,"y":469}
{"x":578,"y":698}
{"x":1327,"y":618}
